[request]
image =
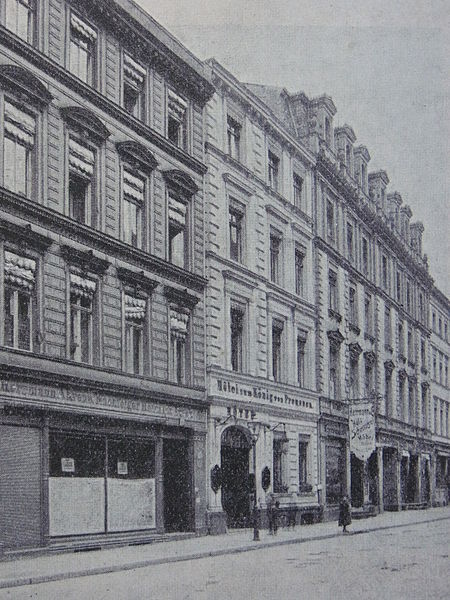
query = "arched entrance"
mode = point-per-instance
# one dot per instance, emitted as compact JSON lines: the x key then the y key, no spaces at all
{"x":235,"y":450}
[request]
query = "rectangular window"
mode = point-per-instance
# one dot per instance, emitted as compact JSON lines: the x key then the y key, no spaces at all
{"x":398,"y":287}
{"x":401,"y":341}
{"x":368,"y":314}
{"x":179,"y":333}
{"x":135,"y":312}
{"x":387,"y":327}
{"x":301,"y":345}
{"x":177,"y":119}
{"x":298,"y":191}
{"x":82,"y":292}
{"x":81,"y":174}
{"x":134,"y":80}
{"x":354,"y":377}
{"x":275,"y":248}
{"x":278,"y":452}
{"x":408,"y":297}
{"x":299,"y":271}
{"x":350,"y":243}
{"x":384,"y":273}
{"x":237,"y":331}
{"x":20,"y":18}
{"x":353,"y":308}
{"x":421,"y":308}
{"x":18,"y":144}
{"x":365,"y":256}
{"x":82,"y":49}
{"x":19,"y":284}
{"x":178,"y":254}
{"x":334,"y":372}
{"x":234,"y":138}
{"x":369,"y":377}
{"x":302,"y":464}
{"x":273,"y":170}
{"x":422,"y":354}
{"x":330,"y":220}
{"x":388,"y":392}
{"x":236,"y":234}
{"x":411,"y":356}
{"x":133,"y":205}
{"x":332,"y":291}
{"x":277,"y":334}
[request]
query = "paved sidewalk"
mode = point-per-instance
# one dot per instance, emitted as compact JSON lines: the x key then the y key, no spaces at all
{"x":24,"y":571}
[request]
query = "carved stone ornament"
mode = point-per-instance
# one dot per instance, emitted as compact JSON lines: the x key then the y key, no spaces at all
{"x":402,"y":374}
{"x":370,"y":357}
{"x":389,"y":366}
{"x":355,"y":350}
{"x":336,"y":338}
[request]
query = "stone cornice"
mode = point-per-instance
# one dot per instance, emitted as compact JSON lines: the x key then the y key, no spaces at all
{"x":86,"y":260}
{"x":98,"y":240}
{"x":25,"y":84}
{"x":24,"y":236}
{"x":181,"y":297}
{"x":52,"y":69}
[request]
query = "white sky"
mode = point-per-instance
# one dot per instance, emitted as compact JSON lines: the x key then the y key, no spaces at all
{"x":386,"y":64}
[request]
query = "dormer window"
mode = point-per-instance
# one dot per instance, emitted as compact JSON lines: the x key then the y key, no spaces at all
{"x":177,"y":119}
{"x":273,"y":168}
{"x":234,"y":138}
{"x":82,"y":49}
{"x":19,"y":17}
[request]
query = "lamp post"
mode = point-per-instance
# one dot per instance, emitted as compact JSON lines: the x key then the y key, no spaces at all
{"x":254,"y":432}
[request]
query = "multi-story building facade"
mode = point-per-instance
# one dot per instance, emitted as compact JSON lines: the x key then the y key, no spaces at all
{"x":261,"y":343}
{"x":372,"y":291}
{"x":102,"y":345}
{"x":440,"y":395}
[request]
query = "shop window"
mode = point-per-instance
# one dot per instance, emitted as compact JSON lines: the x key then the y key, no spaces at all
{"x":80,"y":184}
{"x":19,"y":300}
{"x":237,"y":333}
{"x":302,"y":465}
{"x":135,"y":313}
{"x":298,"y":191}
{"x":18,"y":149}
{"x":133,"y":207}
{"x":277,"y":335}
{"x":236,"y":221}
{"x":299,"y":261}
{"x":301,"y":359}
{"x":332,"y":291}
{"x":76,"y":456}
{"x":279,"y":451}
{"x":19,"y":17}
{"x":275,"y":259}
{"x":82,"y":49}
{"x":134,"y":80}
{"x":82,"y":291}
{"x":177,"y":119}
{"x":273,"y":171}
{"x":178,"y":210}
{"x":179,"y":333}
{"x":234,"y":130}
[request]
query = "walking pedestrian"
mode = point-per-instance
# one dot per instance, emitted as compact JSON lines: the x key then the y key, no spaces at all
{"x":275,"y":511}
{"x":270,"y":509}
{"x":345,"y":514}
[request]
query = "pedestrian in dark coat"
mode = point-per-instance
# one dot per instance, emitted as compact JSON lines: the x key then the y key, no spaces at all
{"x":345,"y":514}
{"x":275,"y":511}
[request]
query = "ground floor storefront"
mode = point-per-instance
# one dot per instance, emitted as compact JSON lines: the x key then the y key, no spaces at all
{"x":262,"y":436}
{"x":76,"y":464}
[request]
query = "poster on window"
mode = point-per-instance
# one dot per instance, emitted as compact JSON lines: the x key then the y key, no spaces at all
{"x":362,"y":429}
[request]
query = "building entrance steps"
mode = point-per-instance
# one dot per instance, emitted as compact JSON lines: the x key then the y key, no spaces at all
{"x":55,"y":567}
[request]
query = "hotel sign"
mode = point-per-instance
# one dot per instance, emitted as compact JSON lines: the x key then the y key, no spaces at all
{"x":233,"y":390}
{"x":361,"y":423}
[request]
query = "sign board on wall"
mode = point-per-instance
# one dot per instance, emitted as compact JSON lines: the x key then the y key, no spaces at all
{"x":122,"y":467}
{"x":361,"y":423}
{"x":68,"y":465}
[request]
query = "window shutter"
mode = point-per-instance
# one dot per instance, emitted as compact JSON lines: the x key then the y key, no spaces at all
{"x":19,"y":125}
{"x":82,"y":28}
{"x":177,"y":106}
{"x":133,"y":70}
{"x":81,"y":286}
{"x":134,"y":308}
{"x":179,"y":319}
{"x":19,"y":271}
{"x":81,"y":158}
{"x":177,"y":211}
{"x":133,"y":186}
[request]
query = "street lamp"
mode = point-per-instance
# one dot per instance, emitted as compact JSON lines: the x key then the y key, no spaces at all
{"x":254,"y":428}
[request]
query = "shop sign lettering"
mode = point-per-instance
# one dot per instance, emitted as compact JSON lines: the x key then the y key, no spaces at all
{"x":42,"y":395}
{"x":231,"y":389}
{"x":361,"y":424}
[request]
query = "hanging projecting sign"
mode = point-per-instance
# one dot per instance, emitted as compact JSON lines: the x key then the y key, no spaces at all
{"x":361,"y":423}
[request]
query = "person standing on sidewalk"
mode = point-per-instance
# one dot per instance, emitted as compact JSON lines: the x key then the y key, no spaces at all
{"x":275,"y":512}
{"x":345,"y":514}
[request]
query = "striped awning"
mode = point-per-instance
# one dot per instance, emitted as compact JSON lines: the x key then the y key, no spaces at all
{"x":179,"y":320}
{"x":82,"y":28}
{"x":133,"y":69}
{"x":135,"y":308}
{"x":133,"y":186}
{"x":19,"y":124}
{"x":19,"y":270}
{"x":176,"y":105}
{"x":82,"y":286}
{"x":81,"y":158}
{"x":177,"y":211}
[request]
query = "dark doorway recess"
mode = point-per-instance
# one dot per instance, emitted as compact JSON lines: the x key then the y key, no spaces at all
{"x":357,"y":481}
{"x":177,"y":483}
{"x":235,"y":451}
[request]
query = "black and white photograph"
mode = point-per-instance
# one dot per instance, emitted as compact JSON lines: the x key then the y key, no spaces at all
{"x":224,"y":300}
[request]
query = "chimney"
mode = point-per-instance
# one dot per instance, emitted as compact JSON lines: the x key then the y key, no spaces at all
{"x":321,"y":113}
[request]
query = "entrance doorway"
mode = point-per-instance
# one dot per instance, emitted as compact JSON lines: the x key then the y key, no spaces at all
{"x":357,"y":481}
{"x":177,"y":485}
{"x":235,"y":450}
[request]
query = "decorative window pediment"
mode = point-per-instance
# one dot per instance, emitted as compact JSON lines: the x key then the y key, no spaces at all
{"x":181,"y":297}
{"x":24,"y":84}
{"x":181,"y":182}
{"x":19,"y":271}
{"x":24,"y":236}
{"x":84,"y":260}
{"x":136,"y":280}
{"x":137,"y":156}
{"x":85,"y":122}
